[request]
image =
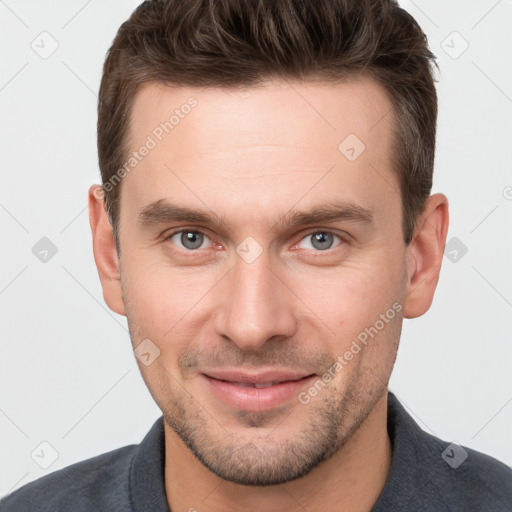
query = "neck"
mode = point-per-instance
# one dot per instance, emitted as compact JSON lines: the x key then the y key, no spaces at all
{"x":351,"y":480}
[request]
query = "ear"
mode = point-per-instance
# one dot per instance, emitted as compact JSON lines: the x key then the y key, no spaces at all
{"x":425,"y":255}
{"x":104,"y":248}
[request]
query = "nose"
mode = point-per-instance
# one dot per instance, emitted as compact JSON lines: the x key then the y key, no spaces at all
{"x":255,"y":305}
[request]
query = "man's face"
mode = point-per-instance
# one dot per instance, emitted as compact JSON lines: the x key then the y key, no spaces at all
{"x":256,"y":291}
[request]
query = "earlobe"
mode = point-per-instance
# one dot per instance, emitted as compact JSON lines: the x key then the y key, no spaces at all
{"x":104,"y":248}
{"x":425,"y":255}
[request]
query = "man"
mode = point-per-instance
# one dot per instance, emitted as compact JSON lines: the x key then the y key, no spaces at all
{"x":265,"y":223}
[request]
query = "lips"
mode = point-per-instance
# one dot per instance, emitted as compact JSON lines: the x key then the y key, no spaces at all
{"x":256,"y":391}
{"x":259,"y":380}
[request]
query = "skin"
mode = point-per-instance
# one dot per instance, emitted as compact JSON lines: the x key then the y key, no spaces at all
{"x":250,"y":156}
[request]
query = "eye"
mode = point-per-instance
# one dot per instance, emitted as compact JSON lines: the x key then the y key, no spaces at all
{"x":320,"y":240}
{"x":190,"y":239}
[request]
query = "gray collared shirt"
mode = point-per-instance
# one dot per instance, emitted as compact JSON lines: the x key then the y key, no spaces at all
{"x":427,"y":475}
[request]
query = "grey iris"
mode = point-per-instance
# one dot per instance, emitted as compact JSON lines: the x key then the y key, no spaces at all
{"x":193,"y":238}
{"x":322,"y":240}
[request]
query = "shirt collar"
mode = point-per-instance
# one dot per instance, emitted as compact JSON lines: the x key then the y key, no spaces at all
{"x":147,"y":482}
{"x":409,"y":453}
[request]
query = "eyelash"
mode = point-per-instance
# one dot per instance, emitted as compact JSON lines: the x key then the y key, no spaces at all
{"x":342,"y":239}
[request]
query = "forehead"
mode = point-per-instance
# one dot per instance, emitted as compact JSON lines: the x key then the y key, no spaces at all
{"x":250,"y":147}
{"x":266,"y":113}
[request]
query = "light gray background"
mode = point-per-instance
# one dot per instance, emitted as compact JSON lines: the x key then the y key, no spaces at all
{"x":68,"y":376}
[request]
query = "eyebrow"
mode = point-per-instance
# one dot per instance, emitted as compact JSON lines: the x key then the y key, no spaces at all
{"x":163,"y":211}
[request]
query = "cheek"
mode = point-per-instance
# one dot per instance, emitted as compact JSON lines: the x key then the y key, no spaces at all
{"x":151,"y":295}
{"x":348,"y":298}
{"x":166,"y":305}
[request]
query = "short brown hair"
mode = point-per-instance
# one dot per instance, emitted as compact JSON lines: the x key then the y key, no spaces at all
{"x":237,"y":43}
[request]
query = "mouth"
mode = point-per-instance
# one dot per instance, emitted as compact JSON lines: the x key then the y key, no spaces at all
{"x":256,"y":392}
{"x":259,"y":386}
